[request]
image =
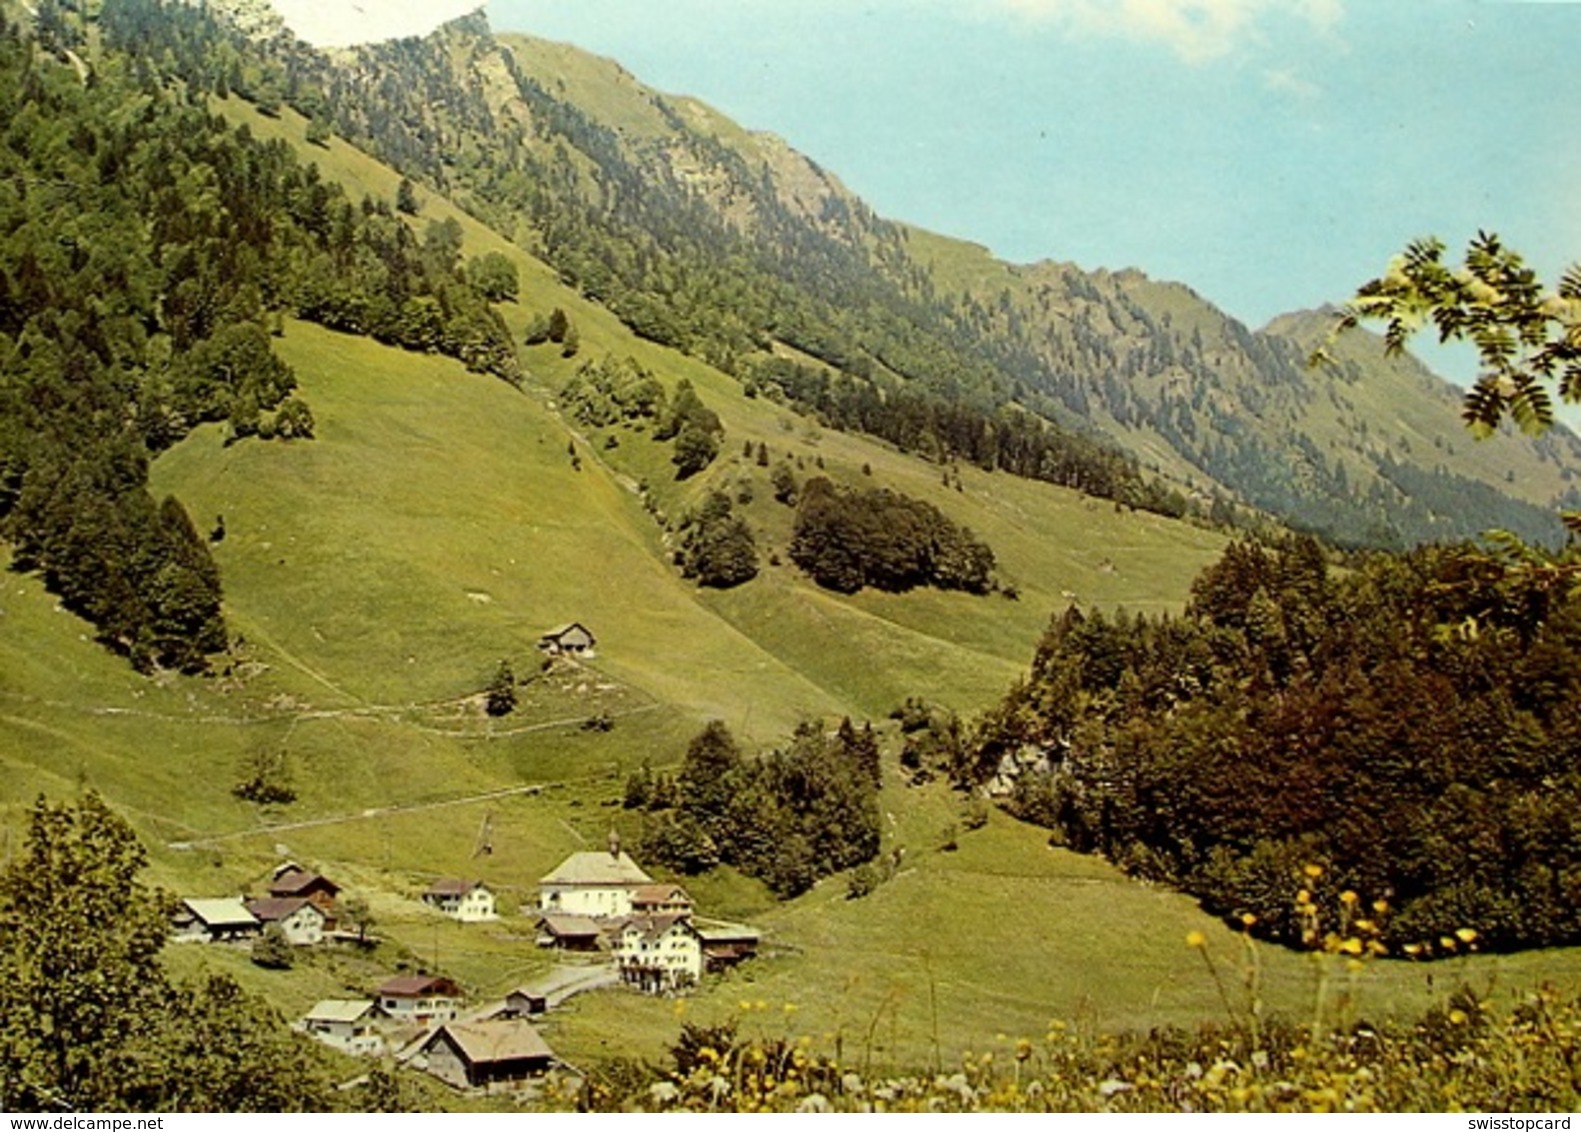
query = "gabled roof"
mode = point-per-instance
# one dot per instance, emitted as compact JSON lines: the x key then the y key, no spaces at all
{"x":715,"y":931}
{"x":294,"y":880}
{"x":417,"y":986}
{"x":561,"y":630}
{"x":340,"y":1010}
{"x":661,"y":894}
{"x":499,"y":1039}
{"x":605,"y":868}
{"x":452,"y":887}
{"x":568,"y":926}
{"x":273,"y":908}
{"x":654,"y":927}
{"x":223,"y":912}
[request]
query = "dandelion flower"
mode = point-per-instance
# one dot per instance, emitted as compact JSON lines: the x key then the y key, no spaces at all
{"x":1466,"y":935}
{"x":1459,"y":1017}
{"x":1196,"y":939}
{"x":1313,"y":871}
{"x":1348,"y":897}
{"x":1380,"y":906}
{"x":1247,"y":919}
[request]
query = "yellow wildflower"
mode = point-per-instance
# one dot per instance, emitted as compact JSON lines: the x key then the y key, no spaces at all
{"x":1195,"y":938}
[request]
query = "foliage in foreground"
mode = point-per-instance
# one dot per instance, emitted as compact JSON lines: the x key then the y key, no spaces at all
{"x":1461,"y":1056}
{"x":89,"y":1021}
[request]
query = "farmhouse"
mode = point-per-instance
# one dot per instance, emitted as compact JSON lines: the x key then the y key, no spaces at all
{"x":291,"y":879}
{"x":301,"y":921}
{"x":661,"y":900}
{"x":593,"y":884}
{"x":725,"y":945}
{"x":467,"y":901}
{"x":568,"y":640}
{"x":419,"y":999}
{"x":214,"y":921}
{"x":349,"y":1025}
{"x":658,"y":953}
{"x":525,"y":1002}
{"x":486,"y":1055}
{"x":569,"y":933}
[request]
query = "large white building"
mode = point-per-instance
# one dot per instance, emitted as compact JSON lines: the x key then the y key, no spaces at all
{"x":593,"y":884}
{"x":658,"y":953}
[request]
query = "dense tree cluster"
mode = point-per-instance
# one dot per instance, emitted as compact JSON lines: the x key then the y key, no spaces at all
{"x":695,"y":428}
{"x":89,"y":1020}
{"x":718,"y":547}
{"x":613,"y":391}
{"x":847,"y":539}
{"x":788,"y":818}
{"x":1405,"y":731}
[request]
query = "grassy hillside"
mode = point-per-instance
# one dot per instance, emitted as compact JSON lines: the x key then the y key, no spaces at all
{"x":375,"y":576}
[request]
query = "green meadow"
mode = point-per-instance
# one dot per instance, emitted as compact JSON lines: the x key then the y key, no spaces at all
{"x":376,"y":576}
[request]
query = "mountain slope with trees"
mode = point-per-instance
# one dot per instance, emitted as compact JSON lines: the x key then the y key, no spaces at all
{"x":730,"y":246}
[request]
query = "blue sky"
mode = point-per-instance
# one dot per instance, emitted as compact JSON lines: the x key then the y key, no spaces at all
{"x":1270,"y":153}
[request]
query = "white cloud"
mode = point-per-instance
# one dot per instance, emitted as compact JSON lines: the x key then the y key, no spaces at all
{"x":343,"y":23}
{"x":1287,"y":81}
{"x":1196,"y":30}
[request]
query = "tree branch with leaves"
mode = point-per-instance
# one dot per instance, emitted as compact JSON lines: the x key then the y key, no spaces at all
{"x":1527,"y":337}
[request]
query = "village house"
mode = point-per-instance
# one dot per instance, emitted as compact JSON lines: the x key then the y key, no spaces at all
{"x":525,"y":1002}
{"x":569,"y":933}
{"x":661,"y":900}
{"x":725,"y":945}
{"x":467,"y":901}
{"x":568,"y":640}
{"x":221,"y":920}
{"x":419,"y":999}
{"x":301,"y":921}
{"x":349,"y":1025}
{"x":657,"y":953}
{"x":492,"y":1055}
{"x":593,"y":884}
{"x":291,"y":880}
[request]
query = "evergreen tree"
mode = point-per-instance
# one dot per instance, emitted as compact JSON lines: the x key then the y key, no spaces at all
{"x":406,"y":197}
{"x":500,"y":696}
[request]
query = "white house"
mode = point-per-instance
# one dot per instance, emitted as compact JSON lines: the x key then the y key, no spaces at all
{"x":419,"y":999}
{"x":658,"y":953}
{"x":214,"y":921}
{"x":593,"y":884}
{"x":300,"y":919}
{"x":346,"y":1024}
{"x":464,"y":900}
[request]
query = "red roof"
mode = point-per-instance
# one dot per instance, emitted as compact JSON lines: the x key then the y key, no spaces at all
{"x":296,"y":881}
{"x":418,"y":986}
{"x":279,"y":907}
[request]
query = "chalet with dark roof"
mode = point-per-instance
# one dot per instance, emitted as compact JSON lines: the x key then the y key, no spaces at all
{"x":470,"y":901}
{"x":419,"y":999}
{"x":301,"y":921}
{"x":495,"y":1055}
{"x":574,"y":639}
{"x":291,"y":879}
